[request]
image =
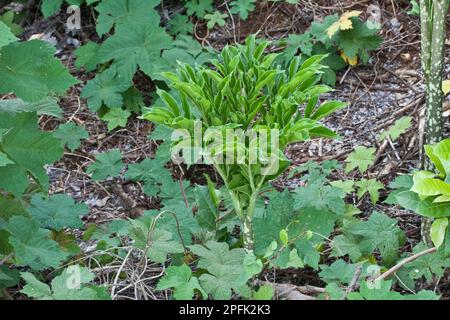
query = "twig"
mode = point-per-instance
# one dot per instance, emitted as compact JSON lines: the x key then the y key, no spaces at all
{"x":399,"y":265}
{"x":353,"y":283}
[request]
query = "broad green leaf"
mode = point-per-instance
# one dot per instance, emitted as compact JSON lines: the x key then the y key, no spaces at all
{"x":121,"y":13}
{"x":35,"y":288}
{"x":106,"y":89}
{"x":339,"y":271}
{"x":136,"y":46}
{"x":343,"y":245}
{"x":181,"y":280}
{"x":30,"y":71}
{"x":243,"y":7}
{"x":4,"y":160}
{"x":216,"y":18}
{"x":57,"y":212}
{"x":344,"y":185}
{"x":6,"y":36}
{"x":371,"y":186}
{"x":48,"y":106}
{"x":379,"y":232}
{"x":264,"y":293}
{"x":29,"y":148}
{"x":361,"y":158}
{"x":87,"y":56}
{"x":224,"y":268}
{"x":32,"y":245}
{"x":71,"y":135}
{"x":400,"y":127}
{"x":180,"y":24}
{"x":116,"y":117}
{"x":199,"y":7}
{"x":438,"y":231}
{"x":108,"y":164}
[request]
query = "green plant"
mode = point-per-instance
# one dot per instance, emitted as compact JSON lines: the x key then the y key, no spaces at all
{"x":428,"y":194}
{"x":345,"y":39}
{"x":247,"y":92}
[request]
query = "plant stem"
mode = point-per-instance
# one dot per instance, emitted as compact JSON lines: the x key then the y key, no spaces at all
{"x":432,"y":14}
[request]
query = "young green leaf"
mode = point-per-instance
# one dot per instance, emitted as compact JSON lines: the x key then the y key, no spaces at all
{"x":71,"y":135}
{"x":180,"y":24}
{"x":438,"y":231}
{"x":215,"y":18}
{"x":243,"y":7}
{"x":183,"y":283}
{"x":371,"y":186}
{"x":361,"y":158}
{"x":199,"y":7}
{"x":108,"y":164}
{"x":57,"y":212}
{"x":30,"y":70}
{"x":116,"y":117}
{"x":400,"y":127}
{"x":32,"y":245}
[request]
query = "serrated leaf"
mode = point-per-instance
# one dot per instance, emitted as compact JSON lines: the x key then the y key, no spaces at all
{"x":124,"y":12}
{"x":344,"y":185}
{"x":215,"y":18}
{"x":370,"y":186}
{"x":57,"y":212}
{"x":48,"y":106}
{"x":116,"y":117}
{"x":181,"y":280}
{"x":108,"y":164}
{"x":105,"y":89}
{"x":339,"y":271}
{"x":264,"y":293}
{"x":379,"y":232}
{"x":342,"y":246}
{"x":29,"y":148}
{"x":361,"y":158}
{"x":243,"y":7}
{"x":32,"y":245}
{"x":199,"y":7}
{"x":224,"y":267}
{"x":30,"y":71}
{"x":136,"y":46}
{"x":180,"y":24}
{"x":400,"y":127}
{"x":87,"y":56}
{"x":71,"y":135}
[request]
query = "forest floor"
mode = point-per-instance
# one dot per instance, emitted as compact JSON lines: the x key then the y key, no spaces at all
{"x":378,"y":94}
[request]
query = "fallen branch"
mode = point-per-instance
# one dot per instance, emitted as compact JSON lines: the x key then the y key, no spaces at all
{"x":291,"y":292}
{"x":399,"y":265}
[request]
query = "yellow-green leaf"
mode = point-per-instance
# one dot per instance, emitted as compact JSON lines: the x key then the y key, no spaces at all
{"x":438,"y":231}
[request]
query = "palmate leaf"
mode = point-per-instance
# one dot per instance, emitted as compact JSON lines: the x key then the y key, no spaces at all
{"x":224,"y":268}
{"x":243,"y":7}
{"x":106,"y":89}
{"x":157,"y":243}
{"x":87,"y":56}
{"x":57,"y":212}
{"x":116,"y":117}
{"x":72,"y":284}
{"x":400,"y":127}
{"x":32,"y":245}
{"x":123,"y":12}
{"x":29,"y":148}
{"x":30,"y":71}
{"x":382,"y":291}
{"x":71,"y":135}
{"x":48,"y":106}
{"x":361,"y":158}
{"x":343,"y":245}
{"x":339,"y":271}
{"x":134,"y":46}
{"x":379,"y":232}
{"x":180,"y":24}
{"x":370,"y":186}
{"x":183,"y":283}
{"x":215,"y":18}
{"x":199,"y":7}
{"x":108,"y":164}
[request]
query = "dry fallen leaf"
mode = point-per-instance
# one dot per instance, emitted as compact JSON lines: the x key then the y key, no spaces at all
{"x":446,"y":87}
{"x":344,"y":22}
